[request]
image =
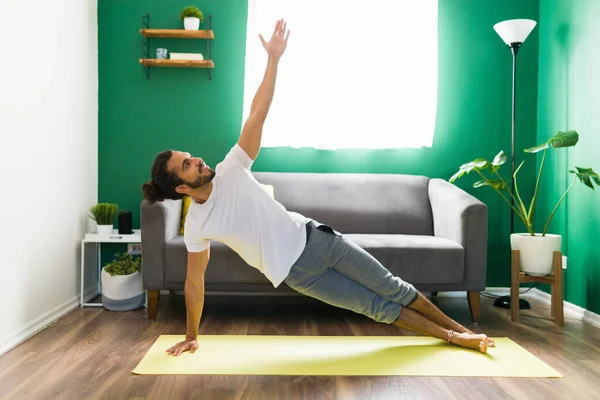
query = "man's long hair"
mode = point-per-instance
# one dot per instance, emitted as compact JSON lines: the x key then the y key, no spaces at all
{"x":162,"y":184}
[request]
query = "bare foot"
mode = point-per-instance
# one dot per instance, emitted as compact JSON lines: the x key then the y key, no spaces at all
{"x":491,"y":342}
{"x":471,"y":341}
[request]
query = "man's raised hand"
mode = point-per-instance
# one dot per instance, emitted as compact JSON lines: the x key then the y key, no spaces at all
{"x":276,"y":46}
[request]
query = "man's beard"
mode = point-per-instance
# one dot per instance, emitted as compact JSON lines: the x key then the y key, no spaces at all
{"x":202,"y":180}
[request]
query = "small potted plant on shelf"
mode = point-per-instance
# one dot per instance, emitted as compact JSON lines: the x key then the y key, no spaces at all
{"x":192,"y":17}
{"x":104,"y":214}
{"x":536,"y":249}
{"x":122,"y":287}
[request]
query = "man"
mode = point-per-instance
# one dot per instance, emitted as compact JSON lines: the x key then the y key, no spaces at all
{"x":230,"y":206}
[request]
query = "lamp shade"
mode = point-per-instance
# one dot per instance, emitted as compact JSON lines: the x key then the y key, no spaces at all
{"x":514,"y":30}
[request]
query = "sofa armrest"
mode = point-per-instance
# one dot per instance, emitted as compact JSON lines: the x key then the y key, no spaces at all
{"x":159,"y":223}
{"x":463,"y":218}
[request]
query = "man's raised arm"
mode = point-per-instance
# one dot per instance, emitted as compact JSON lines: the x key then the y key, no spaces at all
{"x":250,"y":137}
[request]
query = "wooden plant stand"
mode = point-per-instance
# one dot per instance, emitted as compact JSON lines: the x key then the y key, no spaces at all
{"x":555,"y":279}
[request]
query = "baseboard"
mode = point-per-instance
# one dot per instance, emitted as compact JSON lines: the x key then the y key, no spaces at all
{"x":43,"y":322}
{"x":498,"y":291}
{"x":570,"y":309}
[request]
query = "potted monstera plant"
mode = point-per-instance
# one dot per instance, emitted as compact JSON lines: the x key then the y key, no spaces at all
{"x":536,"y":248}
{"x":122,"y":287}
{"x":192,"y":17}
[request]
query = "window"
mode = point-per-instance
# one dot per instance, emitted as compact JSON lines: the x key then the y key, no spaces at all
{"x":355,"y":75}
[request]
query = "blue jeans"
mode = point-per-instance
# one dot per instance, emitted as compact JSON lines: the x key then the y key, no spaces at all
{"x":338,"y":272}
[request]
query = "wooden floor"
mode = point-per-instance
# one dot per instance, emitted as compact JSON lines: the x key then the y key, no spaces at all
{"x":90,"y":353}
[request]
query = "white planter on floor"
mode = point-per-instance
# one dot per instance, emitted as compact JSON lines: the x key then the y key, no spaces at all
{"x":122,"y":292}
{"x":191,"y":23}
{"x":104,"y":230}
{"x":536,"y":252}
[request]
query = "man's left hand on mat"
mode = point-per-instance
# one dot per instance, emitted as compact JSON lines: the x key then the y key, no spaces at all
{"x":188,"y":344}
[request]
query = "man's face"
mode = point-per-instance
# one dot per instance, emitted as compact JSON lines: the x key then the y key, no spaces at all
{"x":192,"y":170}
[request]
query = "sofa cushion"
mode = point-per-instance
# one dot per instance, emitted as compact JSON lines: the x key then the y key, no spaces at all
{"x":225,"y":265}
{"x":357,"y":203}
{"x":416,"y":259}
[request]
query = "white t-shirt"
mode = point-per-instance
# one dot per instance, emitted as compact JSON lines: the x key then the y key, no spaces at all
{"x":242,"y":215}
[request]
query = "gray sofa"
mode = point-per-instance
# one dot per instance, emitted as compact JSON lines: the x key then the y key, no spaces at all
{"x":426,"y":231}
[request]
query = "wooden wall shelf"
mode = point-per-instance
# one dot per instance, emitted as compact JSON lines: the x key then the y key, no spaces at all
{"x":147,"y":33}
{"x":153,"y":62}
{"x":177,"y":33}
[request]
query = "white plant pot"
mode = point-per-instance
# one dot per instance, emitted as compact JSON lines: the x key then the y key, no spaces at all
{"x":191,"y":23}
{"x":536,"y":252}
{"x":122,"y":292}
{"x":104,"y":230}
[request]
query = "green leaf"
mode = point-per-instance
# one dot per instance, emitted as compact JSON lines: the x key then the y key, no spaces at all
{"x":564,"y":139}
{"x":586,"y":176}
{"x":560,"y":139}
{"x":496,"y":183}
{"x":456,"y":176}
{"x":481,"y":163}
{"x":478,"y":163}
{"x":586,"y":171}
{"x":500,"y":158}
{"x":498,"y":161}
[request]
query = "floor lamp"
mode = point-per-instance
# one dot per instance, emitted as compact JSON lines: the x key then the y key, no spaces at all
{"x":513,"y":32}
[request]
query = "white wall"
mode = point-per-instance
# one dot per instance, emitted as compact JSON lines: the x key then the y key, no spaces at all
{"x":48,"y":157}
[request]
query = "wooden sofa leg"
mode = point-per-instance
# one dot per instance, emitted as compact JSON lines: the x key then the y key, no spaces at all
{"x":474,"y":299}
{"x":153,"y":297}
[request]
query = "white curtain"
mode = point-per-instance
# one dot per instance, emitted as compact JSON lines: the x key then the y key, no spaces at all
{"x":355,"y":74}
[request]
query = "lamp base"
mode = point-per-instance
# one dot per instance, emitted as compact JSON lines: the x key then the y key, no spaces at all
{"x":504,"y":302}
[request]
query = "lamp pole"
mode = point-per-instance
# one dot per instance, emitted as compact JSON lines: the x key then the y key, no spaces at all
{"x":513,"y":32}
{"x":504,"y":301}
{"x":514,"y":47}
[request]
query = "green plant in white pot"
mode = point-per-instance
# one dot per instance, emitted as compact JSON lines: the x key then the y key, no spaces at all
{"x":104,"y":214}
{"x":192,"y":17}
{"x":122,"y":287}
{"x":536,"y":249}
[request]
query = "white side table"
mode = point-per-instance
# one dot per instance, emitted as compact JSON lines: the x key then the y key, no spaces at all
{"x":115,"y":237}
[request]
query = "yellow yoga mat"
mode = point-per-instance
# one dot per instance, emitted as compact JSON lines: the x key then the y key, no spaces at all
{"x":341,"y":356}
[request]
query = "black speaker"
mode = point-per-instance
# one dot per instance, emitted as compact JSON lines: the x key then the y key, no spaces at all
{"x":125,"y":223}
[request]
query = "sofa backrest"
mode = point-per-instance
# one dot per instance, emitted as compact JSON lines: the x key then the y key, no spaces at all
{"x":356,"y":203}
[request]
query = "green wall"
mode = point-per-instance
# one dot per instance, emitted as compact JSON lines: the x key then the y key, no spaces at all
{"x":183,"y":109}
{"x":569,"y":87}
